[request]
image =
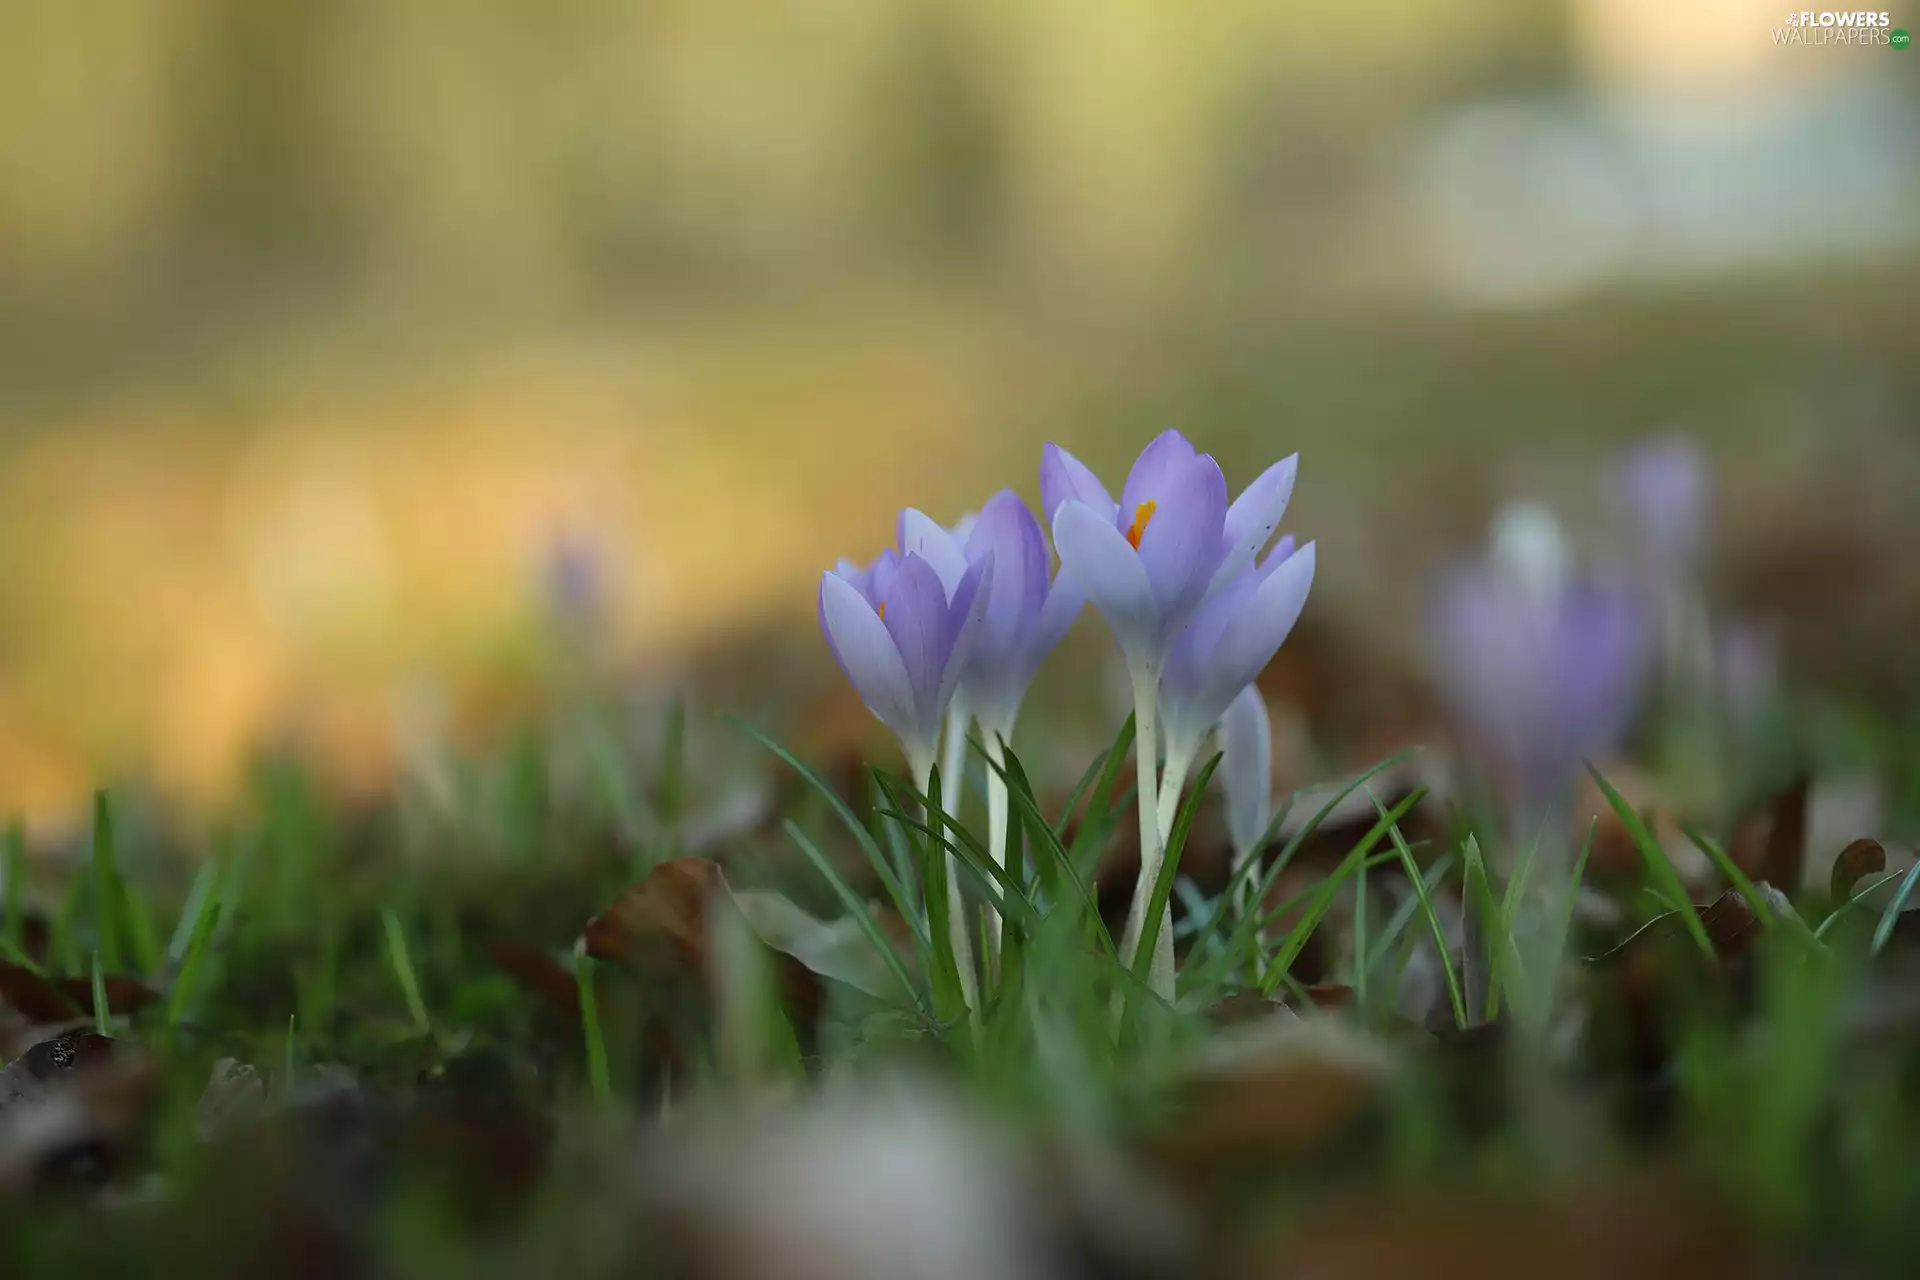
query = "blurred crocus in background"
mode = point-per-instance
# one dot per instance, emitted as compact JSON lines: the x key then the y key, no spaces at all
{"x":1542,"y":667}
{"x":1147,"y":563}
{"x":1663,"y":491}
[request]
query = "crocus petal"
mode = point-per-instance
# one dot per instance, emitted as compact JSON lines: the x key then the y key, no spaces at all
{"x":923,"y":536}
{"x":1064,"y":478}
{"x":1665,"y":490}
{"x":1246,"y":767}
{"x":1108,"y":569}
{"x":966,"y":617}
{"x":1254,"y":515}
{"x":1180,"y":543}
{"x":1062,"y":606}
{"x":860,"y":577}
{"x":1251,"y":639}
{"x":880,"y":578}
{"x":916,"y":616}
{"x":1166,"y":457}
{"x":865,"y":650}
{"x":1007,"y":530}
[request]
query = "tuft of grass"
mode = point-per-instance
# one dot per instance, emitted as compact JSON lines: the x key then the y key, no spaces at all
{"x":102,"y":1012}
{"x":1667,"y":883}
{"x":1423,"y":899}
{"x":1890,"y":917}
{"x":401,"y":961}
{"x":599,"y":1077}
{"x":106,"y":884}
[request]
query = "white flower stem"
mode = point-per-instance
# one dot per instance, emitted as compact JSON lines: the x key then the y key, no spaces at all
{"x":1146,"y":747}
{"x":996,"y":833}
{"x":953,"y":769}
{"x":1173,"y":777}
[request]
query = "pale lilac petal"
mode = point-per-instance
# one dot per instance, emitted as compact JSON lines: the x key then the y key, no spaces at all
{"x":1064,"y":600}
{"x":1109,"y":571}
{"x":1254,"y":515}
{"x":1246,"y":767}
{"x":923,"y":536}
{"x":1007,"y":530}
{"x":1665,"y":489}
{"x":1167,"y":457}
{"x":1064,"y":478}
{"x":859,"y":576}
{"x":966,"y":617}
{"x":1180,"y":544}
{"x":865,"y":650}
{"x":880,"y":579}
{"x":1190,"y":655}
{"x":916,"y":616}
{"x":1261,"y":626}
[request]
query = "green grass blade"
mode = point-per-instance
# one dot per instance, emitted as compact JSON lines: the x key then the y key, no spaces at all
{"x":1424,"y":898}
{"x":102,"y":1011}
{"x":1503,"y":957}
{"x":190,"y":965}
{"x":1360,"y":935}
{"x":1020,"y":801}
{"x":1666,"y":879}
{"x":1403,"y":914}
{"x":902,"y":902}
{"x":993,"y":882}
{"x":401,"y":961}
{"x":1858,"y":897}
{"x":1556,"y":954}
{"x":1756,"y":901}
{"x":205,"y":881}
{"x":1322,"y":900}
{"x":1249,"y":867}
{"x":1093,"y":770}
{"x":857,"y":911}
{"x":1510,"y":900}
{"x":106,"y":884}
{"x":1891,"y":916}
{"x":14,"y":955}
{"x":599,"y":1077}
{"x":1102,"y":794}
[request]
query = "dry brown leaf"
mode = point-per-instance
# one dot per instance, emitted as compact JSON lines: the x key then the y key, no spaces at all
{"x":1856,"y":862}
{"x":34,"y":996}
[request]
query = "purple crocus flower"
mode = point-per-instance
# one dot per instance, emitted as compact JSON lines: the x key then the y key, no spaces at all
{"x":1148,"y":560}
{"x":1026,"y":614}
{"x":1543,"y":668}
{"x":1664,"y":490}
{"x":1233,"y":636}
{"x":903,"y":639}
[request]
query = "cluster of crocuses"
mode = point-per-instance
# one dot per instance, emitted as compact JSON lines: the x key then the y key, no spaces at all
{"x":949,"y":628}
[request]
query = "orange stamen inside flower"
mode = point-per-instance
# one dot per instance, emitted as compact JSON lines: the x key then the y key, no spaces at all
{"x":883,"y":611}
{"x":1141,"y":515}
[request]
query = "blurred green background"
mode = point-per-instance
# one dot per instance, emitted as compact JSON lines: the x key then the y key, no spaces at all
{"x":322,"y":324}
